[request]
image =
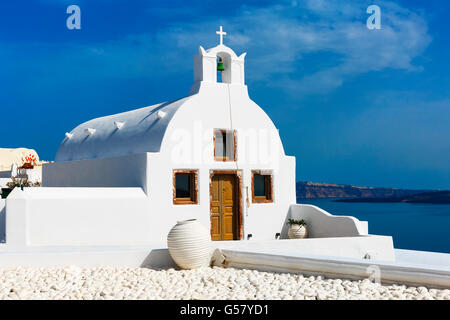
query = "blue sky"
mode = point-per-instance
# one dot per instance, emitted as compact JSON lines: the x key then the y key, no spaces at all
{"x":355,"y":106}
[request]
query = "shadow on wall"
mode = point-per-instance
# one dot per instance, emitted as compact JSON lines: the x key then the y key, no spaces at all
{"x":2,"y":220}
{"x":159,"y":259}
{"x":285,"y":227}
{"x":5,"y":174}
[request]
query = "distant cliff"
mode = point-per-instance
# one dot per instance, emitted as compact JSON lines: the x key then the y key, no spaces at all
{"x":436,"y":197}
{"x":328,"y":190}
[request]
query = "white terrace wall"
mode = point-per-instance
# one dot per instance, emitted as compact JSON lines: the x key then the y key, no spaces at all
{"x":79,"y":217}
{"x":2,"y":220}
{"x":127,"y":217}
{"x":322,"y":224}
{"x":98,"y":216}
{"x":126,"y":171}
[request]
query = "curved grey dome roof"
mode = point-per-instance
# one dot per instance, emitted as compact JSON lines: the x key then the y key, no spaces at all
{"x":132,"y":132}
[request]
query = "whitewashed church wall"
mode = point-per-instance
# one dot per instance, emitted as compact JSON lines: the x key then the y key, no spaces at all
{"x":127,"y":171}
{"x":264,"y":220}
{"x":188,"y":144}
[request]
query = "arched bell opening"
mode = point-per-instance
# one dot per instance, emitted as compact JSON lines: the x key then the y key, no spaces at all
{"x":224,"y":67}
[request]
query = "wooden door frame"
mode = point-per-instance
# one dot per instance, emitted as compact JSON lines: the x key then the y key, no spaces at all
{"x":239,"y":208}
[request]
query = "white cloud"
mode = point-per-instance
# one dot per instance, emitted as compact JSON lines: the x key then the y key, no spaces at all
{"x":337,"y":28}
{"x":278,"y":38}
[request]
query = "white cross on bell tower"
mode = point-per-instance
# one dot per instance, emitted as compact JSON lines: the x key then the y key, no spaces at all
{"x":221,"y":34}
{"x":220,"y":58}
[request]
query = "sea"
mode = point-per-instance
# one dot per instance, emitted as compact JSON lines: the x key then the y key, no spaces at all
{"x":420,"y":226}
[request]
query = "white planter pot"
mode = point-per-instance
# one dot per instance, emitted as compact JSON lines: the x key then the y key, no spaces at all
{"x":189,"y":244}
{"x":297,"y":232}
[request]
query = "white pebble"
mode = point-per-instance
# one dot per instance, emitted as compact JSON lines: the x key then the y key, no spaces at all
{"x":72,"y":282}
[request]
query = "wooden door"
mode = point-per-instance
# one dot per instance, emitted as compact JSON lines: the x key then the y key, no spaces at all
{"x":224,"y":221}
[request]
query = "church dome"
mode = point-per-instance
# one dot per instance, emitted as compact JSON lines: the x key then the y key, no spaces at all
{"x":132,"y":132}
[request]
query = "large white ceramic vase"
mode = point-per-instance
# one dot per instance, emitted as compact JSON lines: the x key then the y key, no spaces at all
{"x":189,"y":244}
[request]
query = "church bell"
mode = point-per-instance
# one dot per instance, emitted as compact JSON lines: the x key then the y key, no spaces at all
{"x":220,"y":65}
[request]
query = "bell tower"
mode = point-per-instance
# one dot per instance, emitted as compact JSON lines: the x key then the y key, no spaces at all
{"x":206,"y":65}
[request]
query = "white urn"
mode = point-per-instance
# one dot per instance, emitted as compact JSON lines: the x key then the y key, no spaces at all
{"x":297,"y":231}
{"x":189,"y":244}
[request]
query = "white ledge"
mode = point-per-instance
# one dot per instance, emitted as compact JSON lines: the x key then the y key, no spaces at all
{"x":161,"y":114}
{"x":389,"y":272}
{"x":119,"y":124}
{"x":89,"y":131}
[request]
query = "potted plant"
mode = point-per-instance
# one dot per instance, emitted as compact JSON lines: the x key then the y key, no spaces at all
{"x":297,"y":229}
{"x":29,"y":162}
{"x":21,"y":182}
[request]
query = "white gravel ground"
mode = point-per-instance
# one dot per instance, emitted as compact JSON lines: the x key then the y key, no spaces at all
{"x":205,"y":283}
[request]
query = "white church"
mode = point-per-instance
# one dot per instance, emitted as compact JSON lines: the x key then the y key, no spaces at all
{"x":124,"y":180}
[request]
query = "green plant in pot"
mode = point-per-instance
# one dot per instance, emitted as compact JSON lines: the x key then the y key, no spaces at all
{"x":297,"y":229}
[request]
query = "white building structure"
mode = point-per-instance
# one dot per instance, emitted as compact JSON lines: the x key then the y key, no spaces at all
{"x":11,"y":159}
{"x":125,"y":180}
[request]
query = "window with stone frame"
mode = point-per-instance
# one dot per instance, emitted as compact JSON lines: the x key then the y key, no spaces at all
{"x":185,"y":186}
{"x":224,"y":145}
{"x":262,"y":187}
